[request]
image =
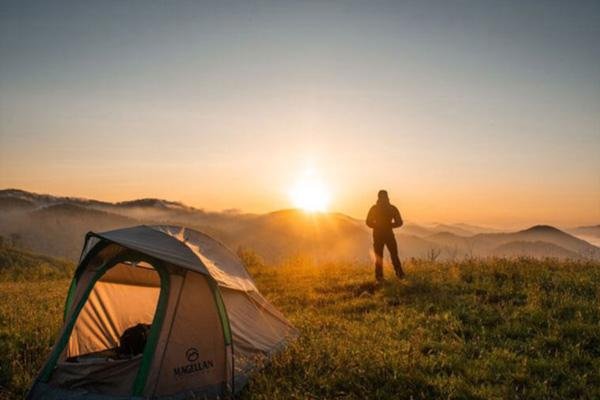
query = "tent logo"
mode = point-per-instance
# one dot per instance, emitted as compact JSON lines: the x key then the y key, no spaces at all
{"x":195,"y":365}
{"x":192,"y":354}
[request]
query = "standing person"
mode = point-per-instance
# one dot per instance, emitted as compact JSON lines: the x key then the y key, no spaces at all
{"x":383,"y":217}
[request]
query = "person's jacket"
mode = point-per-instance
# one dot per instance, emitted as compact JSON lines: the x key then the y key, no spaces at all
{"x":383,"y":217}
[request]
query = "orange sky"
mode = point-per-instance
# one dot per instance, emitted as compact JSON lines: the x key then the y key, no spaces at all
{"x":422,"y":197}
{"x":465,"y":114}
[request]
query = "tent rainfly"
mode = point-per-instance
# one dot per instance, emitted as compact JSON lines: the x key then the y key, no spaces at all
{"x":159,"y":312}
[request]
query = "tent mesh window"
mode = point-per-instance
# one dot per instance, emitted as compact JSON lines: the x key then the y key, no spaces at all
{"x":105,"y":348}
{"x":123,"y":298}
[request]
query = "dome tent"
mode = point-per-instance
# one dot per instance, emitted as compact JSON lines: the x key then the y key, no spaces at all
{"x":208,"y":326}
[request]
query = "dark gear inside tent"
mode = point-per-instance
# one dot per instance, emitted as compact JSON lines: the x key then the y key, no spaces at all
{"x":160,"y":312}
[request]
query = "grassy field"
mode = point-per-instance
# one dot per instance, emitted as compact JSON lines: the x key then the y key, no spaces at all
{"x":489,"y":329}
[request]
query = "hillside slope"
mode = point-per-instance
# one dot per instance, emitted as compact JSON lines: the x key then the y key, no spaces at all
{"x":593,"y":230}
{"x":55,"y":226}
{"x":293,"y":232}
{"x":539,"y":233}
{"x":17,"y":264}
{"x":529,"y":243}
{"x":58,"y":230}
{"x":475,"y":330}
{"x":536,"y":249}
{"x":494,"y":329}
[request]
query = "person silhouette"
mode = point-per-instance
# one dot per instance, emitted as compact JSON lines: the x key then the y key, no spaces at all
{"x":383,"y":217}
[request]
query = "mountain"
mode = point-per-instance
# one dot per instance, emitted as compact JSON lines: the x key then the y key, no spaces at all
{"x":593,"y":230}
{"x":10,"y":203}
{"x":536,"y":249}
{"x":451,"y":245}
{"x":529,"y":242}
{"x":41,"y":200}
{"x":294,"y":232}
{"x":475,"y":228}
{"x":456,"y":230}
{"x":417,"y":230}
{"x":590,"y":233}
{"x":17,"y":264}
{"x":55,"y":226}
{"x":539,"y":233}
{"x":152,"y":203}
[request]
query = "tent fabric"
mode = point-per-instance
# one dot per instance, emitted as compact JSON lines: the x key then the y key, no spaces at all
{"x":175,"y":286}
{"x":211,"y":327}
{"x":222,"y":264}
{"x":132,"y":273}
{"x":258,"y":329}
{"x":156,"y":244}
{"x":92,"y":267}
{"x":114,"y":377}
{"x":124,"y":296}
{"x":50,"y":391}
{"x":90,"y":242}
{"x":195,"y":339}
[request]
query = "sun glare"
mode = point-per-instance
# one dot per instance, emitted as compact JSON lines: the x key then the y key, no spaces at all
{"x":310,"y":194}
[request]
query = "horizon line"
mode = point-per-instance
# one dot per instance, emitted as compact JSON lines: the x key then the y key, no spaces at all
{"x":242,"y":212}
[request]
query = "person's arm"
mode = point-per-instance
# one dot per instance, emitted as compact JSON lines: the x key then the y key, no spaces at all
{"x":397,"y":222}
{"x":371,"y":218}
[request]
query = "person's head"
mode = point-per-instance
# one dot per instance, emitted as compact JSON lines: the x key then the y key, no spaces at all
{"x":382,"y":196}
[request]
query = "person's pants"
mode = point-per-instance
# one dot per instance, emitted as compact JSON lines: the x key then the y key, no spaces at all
{"x":379,"y":242}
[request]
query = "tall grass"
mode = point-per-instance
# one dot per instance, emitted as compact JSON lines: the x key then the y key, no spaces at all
{"x":479,"y":329}
{"x":30,"y":316}
{"x":21,"y":265}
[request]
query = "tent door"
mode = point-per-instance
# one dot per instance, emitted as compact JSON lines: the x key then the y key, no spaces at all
{"x":127,"y":292}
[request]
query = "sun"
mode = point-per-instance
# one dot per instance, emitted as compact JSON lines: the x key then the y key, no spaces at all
{"x":310,"y":194}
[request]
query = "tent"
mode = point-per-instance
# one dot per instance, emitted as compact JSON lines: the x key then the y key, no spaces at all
{"x":205,"y":326}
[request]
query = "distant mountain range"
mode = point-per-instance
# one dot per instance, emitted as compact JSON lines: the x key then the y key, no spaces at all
{"x":55,"y":226}
{"x":588,"y":233}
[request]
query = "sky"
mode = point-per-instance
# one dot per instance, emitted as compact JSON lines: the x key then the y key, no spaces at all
{"x":465,"y":111}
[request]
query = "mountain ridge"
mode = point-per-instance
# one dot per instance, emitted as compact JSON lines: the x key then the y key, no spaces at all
{"x":55,"y":225}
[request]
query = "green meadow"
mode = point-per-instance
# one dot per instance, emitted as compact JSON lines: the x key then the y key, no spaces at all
{"x":475,"y":329}
{"x":479,"y":329}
